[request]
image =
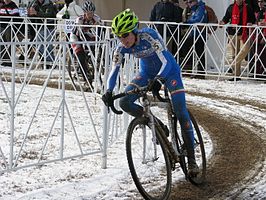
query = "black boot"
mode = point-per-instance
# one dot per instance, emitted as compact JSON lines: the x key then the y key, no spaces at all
{"x":193,"y":168}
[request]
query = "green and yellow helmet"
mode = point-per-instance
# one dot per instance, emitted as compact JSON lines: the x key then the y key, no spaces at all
{"x":124,"y":22}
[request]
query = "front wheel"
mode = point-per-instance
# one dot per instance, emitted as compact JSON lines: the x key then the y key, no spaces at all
{"x":148,"y":161}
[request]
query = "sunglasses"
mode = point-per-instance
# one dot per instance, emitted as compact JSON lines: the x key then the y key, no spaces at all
{"x":189,"y":1}
{"x":123,"y":35}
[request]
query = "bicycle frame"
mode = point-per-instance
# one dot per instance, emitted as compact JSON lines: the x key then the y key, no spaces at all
{"x":166,"y":104}
{"x":172,"y":148}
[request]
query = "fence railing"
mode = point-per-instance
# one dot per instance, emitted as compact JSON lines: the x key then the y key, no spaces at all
{"x":198,"y":48}
{"x":34,"y":131}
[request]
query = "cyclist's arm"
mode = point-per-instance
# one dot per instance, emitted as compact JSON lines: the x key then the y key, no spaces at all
{"x":117,"y":60}
{"x":75,"y":36}
{"x":98,"y":20}
{"x":76,"y":32}
{"x":91,"y":34}
{"x":161,"y":52}
{"x":165,"y":68}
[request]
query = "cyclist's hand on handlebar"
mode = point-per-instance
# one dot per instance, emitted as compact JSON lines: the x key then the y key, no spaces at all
{"x":108,"y":99}
{"x":155,"y":85}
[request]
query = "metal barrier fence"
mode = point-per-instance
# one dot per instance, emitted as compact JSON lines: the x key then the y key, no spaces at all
{"x":34,"y":132}
{"x":53,"y":120}
{"x":208,"y":49}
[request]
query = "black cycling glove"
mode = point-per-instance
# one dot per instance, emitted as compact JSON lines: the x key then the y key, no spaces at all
{"x":108,"y":99}
{"x":155,"y":85}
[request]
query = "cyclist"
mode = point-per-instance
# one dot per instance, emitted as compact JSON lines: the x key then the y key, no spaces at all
{"x":156,"y":63}
{"x":84,"y":33}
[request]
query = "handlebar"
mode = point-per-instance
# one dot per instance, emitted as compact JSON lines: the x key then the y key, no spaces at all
{"x":118,"y":112}
{"x":139,"y":90}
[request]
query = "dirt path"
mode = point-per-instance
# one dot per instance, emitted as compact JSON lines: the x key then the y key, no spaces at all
{"x":237,"y":158}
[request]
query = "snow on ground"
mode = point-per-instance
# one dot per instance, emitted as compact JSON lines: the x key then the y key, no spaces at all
{"x":83,"y":178}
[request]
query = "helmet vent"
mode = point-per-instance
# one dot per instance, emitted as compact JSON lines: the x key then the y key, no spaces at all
{"x":129,"y":25}
{"x":128,"y":18}
{"x":116,"y":21}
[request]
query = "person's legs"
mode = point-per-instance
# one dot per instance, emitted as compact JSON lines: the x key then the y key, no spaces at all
{"x":6,"y":49}
{"x":127,"y":102}
{"x":49,"y":37}
{"x":81,"y":55}
{"x":40,"y":40}
{"x":32,"y":37}
{"x":234,"y":46}
{"x":200,"y":48}
{"x":261,"y":61}
{"x":45,"y":35}
{"x":186,"y":54}
{"x":242,"y":52}
{"x":175,"y":86}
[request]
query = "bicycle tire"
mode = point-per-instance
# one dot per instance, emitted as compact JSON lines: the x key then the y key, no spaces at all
{"x":179,"y":144}
{"x":151,"y":175}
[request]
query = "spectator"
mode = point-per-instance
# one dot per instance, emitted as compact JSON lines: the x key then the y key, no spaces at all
{"x":176,"y":3}
{"x":8,"y":8}
{"x":198,"y":38}
{"x":259,"y":63}
{"x":84,"y":33}
{"x":186,"y":12}
{"x":253,"y":4}
{"x":260,"y":15}
{"x":44,"y":9}
{"x":59,"y":4}
{"x":177,"y":37}
{"x":166,"y":11}
{"x":186,"y":46}
{"x":240,"y":14}
{"x":70,"y":10}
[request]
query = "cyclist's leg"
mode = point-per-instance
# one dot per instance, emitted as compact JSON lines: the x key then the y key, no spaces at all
{"x":83,"y":64}
{"x":175,"y":86}
{"x":81,"y":55}
{"x":127,"y":102}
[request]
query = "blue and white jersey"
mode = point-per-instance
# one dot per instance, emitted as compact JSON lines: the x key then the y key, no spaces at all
{"x":155,"y":59}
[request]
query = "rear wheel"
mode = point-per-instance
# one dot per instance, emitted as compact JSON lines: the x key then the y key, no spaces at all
{"x":149,"y":163}
{"x":199,"y":153}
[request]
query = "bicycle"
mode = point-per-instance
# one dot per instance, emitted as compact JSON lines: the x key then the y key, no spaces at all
{"x":151,"y":155}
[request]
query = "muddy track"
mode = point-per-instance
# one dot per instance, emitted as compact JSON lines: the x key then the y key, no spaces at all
{"x":240,"y":101}
{"x":236,"y":160}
